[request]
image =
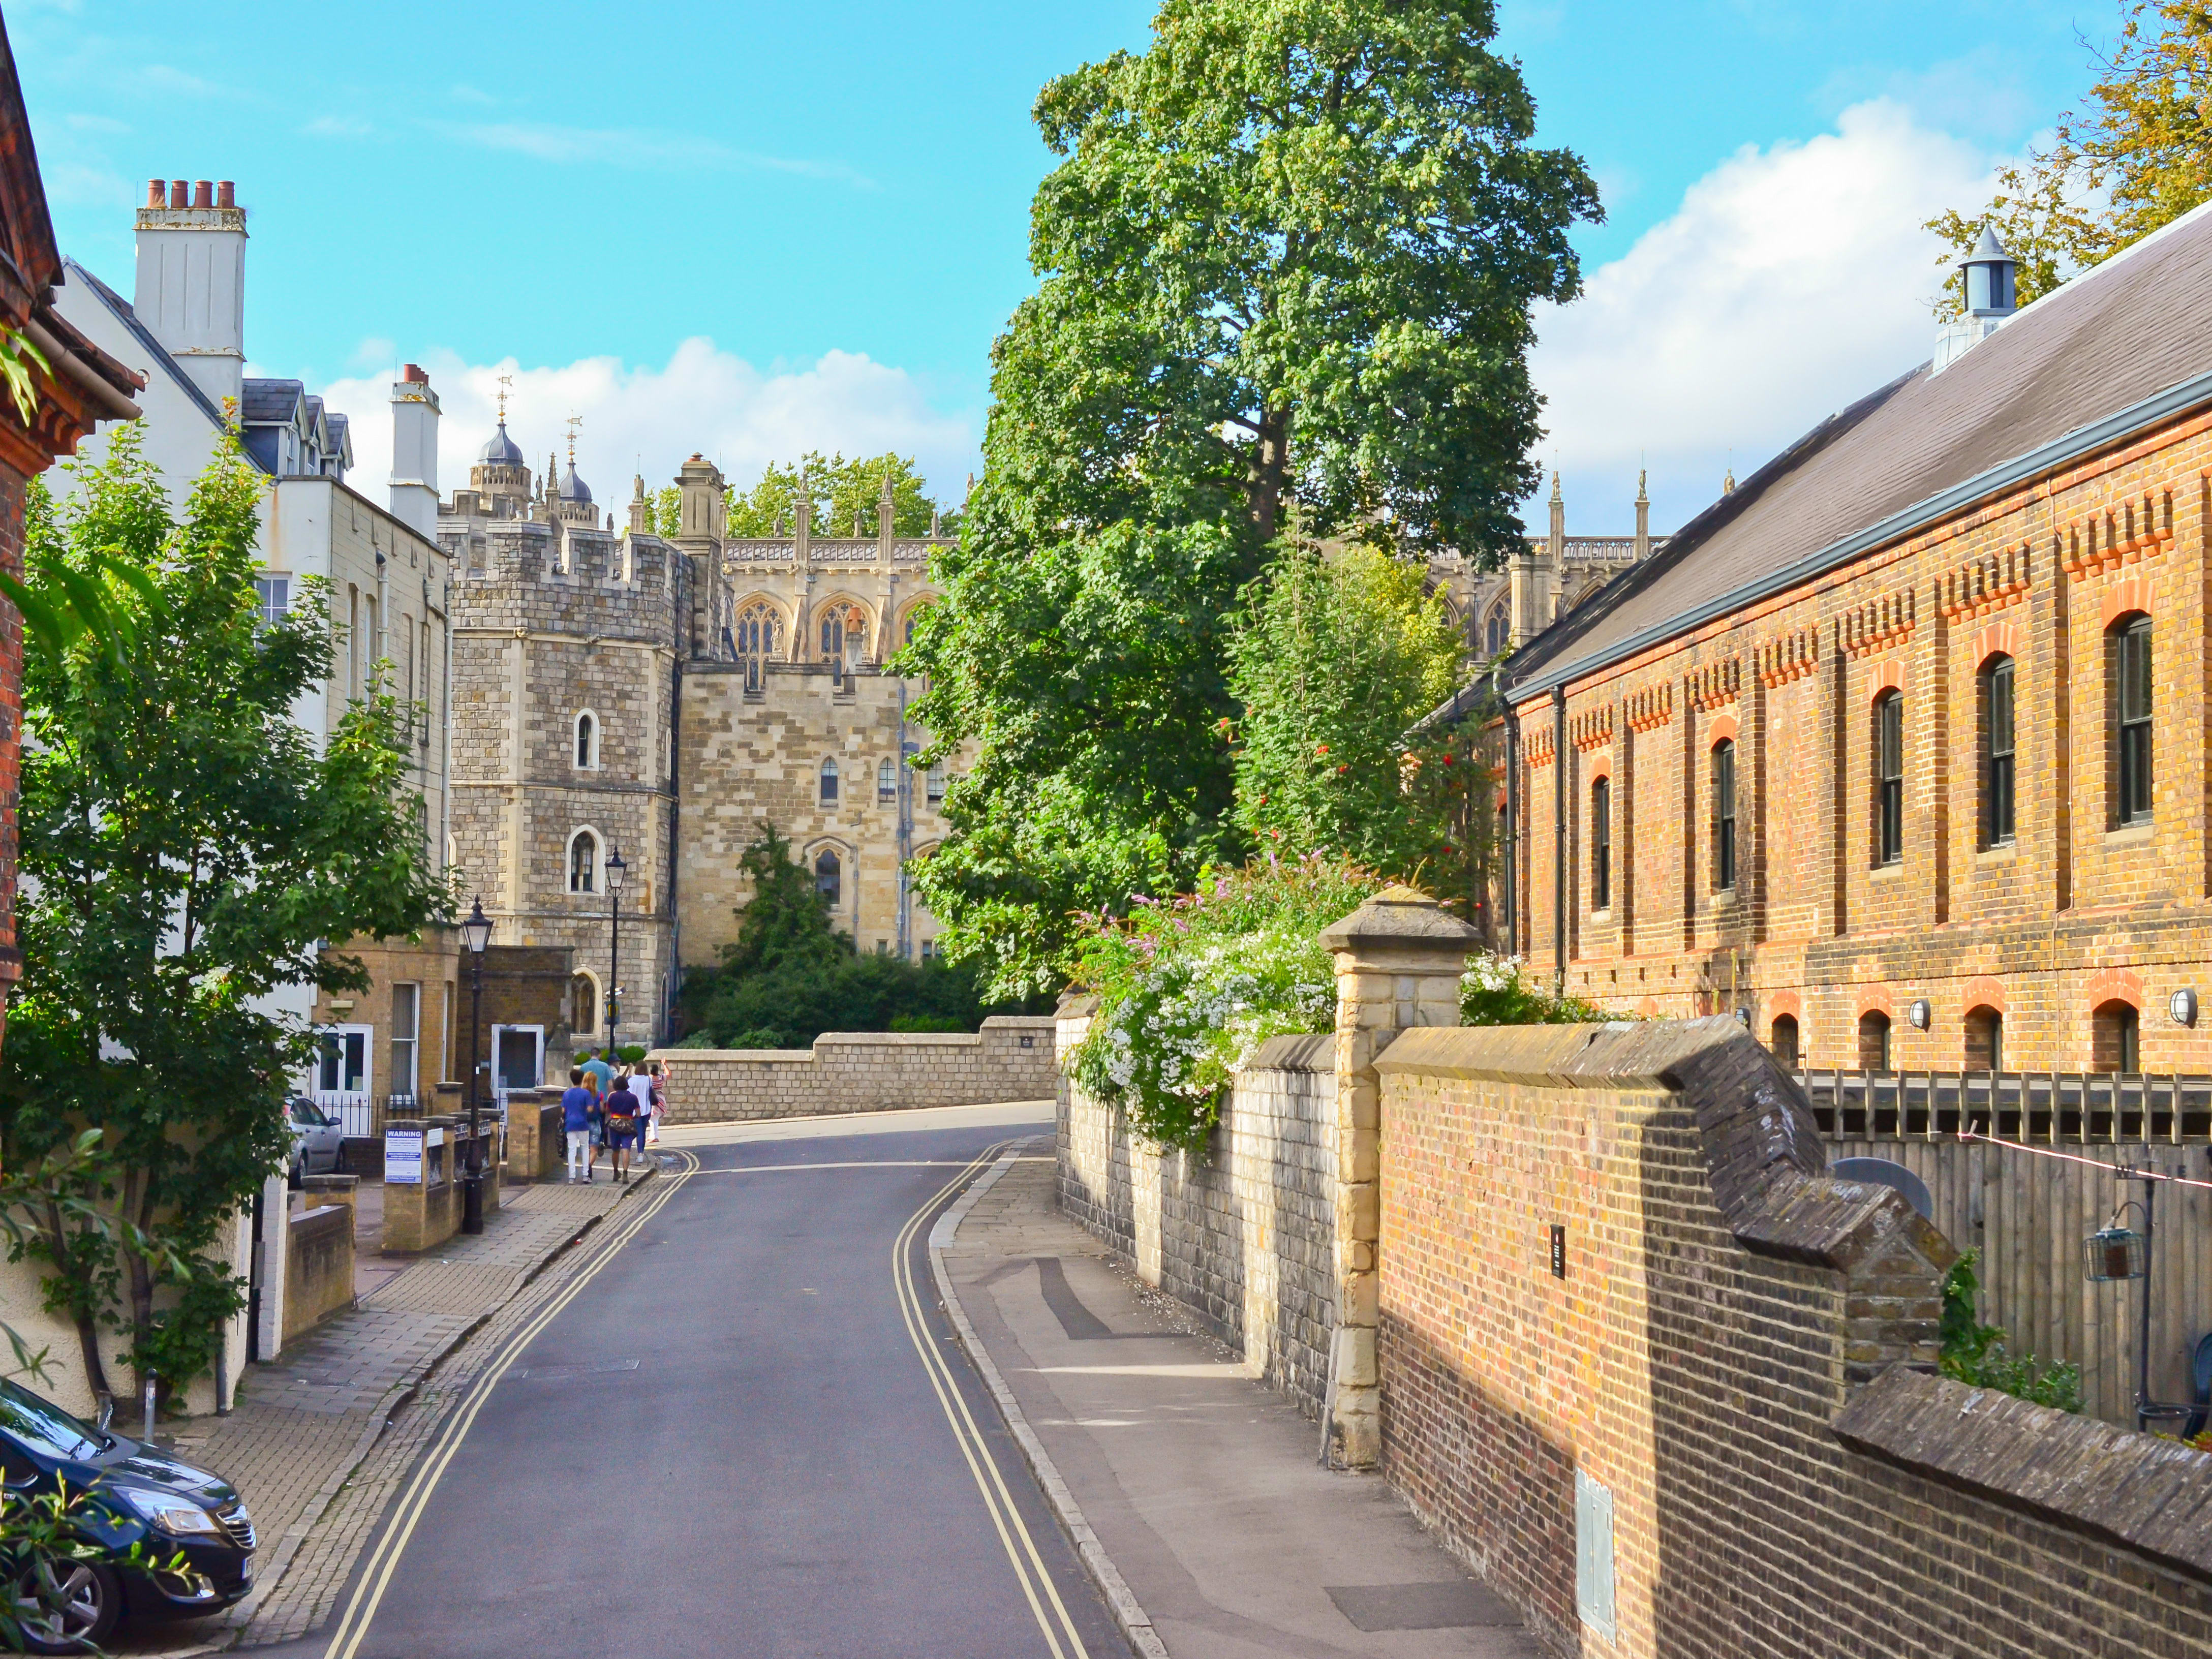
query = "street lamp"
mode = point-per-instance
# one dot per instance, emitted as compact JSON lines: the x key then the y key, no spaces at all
{"x":476,"y":934}
{"x":616,"y":871}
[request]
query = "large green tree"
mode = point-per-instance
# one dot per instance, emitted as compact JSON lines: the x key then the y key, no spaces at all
{"x":2134,"y":155}
{"x":1290,"y":255}
{"x":187,"y":848}
{"x":841,"y":491}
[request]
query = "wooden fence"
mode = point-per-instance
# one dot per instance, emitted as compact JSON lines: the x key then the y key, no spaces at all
{"x":2029,"y":1212}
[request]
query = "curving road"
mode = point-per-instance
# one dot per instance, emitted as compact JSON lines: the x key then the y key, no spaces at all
{"x":748,"y":1431}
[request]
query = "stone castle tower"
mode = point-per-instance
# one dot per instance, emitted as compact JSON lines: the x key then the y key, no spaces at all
{"x":624,"y":693}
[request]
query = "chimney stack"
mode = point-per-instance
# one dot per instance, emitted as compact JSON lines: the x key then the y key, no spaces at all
{"x":192,"y":282}
{"x":415,"y":452}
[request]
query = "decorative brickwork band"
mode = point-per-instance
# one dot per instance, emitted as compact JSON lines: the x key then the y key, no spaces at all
{"x":1399,"y":958}
{"x":2122,"y":534}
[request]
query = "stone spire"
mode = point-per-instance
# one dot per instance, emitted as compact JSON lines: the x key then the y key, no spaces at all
{"x":641,"y":510}
{"x":1642,"y":518}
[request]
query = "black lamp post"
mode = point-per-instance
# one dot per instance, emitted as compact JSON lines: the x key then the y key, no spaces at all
{"x":616,"y":871}
{"x":476,"y":934}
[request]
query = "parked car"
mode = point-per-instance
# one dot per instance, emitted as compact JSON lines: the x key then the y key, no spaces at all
{"x":318,"y":1141}
{"x":195,"y":1540}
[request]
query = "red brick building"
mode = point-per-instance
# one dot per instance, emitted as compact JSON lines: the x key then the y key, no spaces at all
{"x":86,"y":387}
{"x":1902,"y":748}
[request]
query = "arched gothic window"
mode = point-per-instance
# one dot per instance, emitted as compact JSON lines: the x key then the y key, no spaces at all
{"x":583,"y":1003}
{"x":830,"y":878}
{"x":758,"y":637}
{"x":1497,"y":629}
{"x":844,"y":635}
{"x":588,"y":741}
{"x":828,"y":783}
{"x":583,"y":862}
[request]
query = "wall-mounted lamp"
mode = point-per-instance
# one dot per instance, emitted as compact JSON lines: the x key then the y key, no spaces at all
{"x":1919,"y":1013}
{"x":1743,"y":1017}
{"x":2182,"y":1004}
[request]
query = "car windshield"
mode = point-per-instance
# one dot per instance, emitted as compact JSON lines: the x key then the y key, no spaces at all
{"x":45,"y":1428}
{"x":307,"y":1113}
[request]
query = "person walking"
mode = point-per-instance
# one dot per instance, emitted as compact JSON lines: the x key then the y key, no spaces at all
{"x":576,"y":1102}
{"x":602,"y":1074}
{"x":622,"y":1122}
{"x":657,"y":1080}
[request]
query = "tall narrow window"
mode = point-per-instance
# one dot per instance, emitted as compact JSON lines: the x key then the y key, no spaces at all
{"x":1996,"y":753}
{"x":1601,"y":833}
{"x":2131,"y":705}
{"x":886,"y":783}
{"x":1874,"y":1040}
{"x":2115,"y":1038}
{"x":1889,"y":778}
{"x":406,"y":1031}
{"x":1784,"y":1042}
{"x":828,"y":783}
{"x":583,"y":1005}
{"x":587,"y":740}
{"x":275,"y":595}
{"x":1984,"y":1040}
{"x":583,"y":862}
{"x":829,"y":878}
{"x":935,"y":790}
{"x":1724,"y":815}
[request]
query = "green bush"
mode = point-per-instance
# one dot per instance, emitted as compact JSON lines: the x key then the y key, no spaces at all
{"x":1975,"y":1353}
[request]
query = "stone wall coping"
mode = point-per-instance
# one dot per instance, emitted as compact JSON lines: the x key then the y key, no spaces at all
{"x":1295,"y":1052}
{"x":1074,"y":1005}
{"x":786,"y":1057}
{"x":2152,"y":1495}
{"x":1400,"y":917}
{"x":329,"y":1218}
{"x":1018,"y":1023}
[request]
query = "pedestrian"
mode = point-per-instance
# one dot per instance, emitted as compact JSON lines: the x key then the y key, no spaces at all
{"x":658,"y":1079}
{"x":623,"y":1123}
{"x":576,"y":1101}
{"x":602,"y":1074}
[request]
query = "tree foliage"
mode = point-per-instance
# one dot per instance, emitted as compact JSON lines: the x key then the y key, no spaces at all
{"x":1333,"y":658}
{"x":1289,"y":253}
{"x":186,"y":849}
{"x":1975,"y":1354}
{"x":2134,"y":155}
{"x":840,"y":491}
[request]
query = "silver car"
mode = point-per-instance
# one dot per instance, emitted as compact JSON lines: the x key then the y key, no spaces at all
{"x":317,"y":1140}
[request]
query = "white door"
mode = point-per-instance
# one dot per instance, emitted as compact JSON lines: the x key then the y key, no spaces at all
{"x":343,"y":1076}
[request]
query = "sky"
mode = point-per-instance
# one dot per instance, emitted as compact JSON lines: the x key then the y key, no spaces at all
{"x":748,"y":230}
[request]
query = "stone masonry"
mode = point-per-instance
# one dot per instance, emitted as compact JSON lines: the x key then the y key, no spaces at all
{"x":1009,"y":1059}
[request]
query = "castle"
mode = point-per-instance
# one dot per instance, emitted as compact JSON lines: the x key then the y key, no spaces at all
{"x":630,"y":708}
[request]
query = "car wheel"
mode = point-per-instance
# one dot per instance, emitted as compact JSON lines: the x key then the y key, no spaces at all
{"x":62,"y":1606}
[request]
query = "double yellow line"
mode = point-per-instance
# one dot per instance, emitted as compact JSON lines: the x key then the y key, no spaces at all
{"x":376,"y":1577}
{"x":1028,"y":1566}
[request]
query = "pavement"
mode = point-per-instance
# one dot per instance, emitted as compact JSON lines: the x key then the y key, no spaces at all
{"x":360,"y":1387}
{"x":1195,"y":1488}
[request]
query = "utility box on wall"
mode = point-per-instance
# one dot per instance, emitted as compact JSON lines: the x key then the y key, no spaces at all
{"x":1594,"y":1554}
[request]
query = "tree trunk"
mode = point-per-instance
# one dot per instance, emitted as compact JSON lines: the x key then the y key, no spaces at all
{"x":68,"y":1270}
{"x":1271,"y":459}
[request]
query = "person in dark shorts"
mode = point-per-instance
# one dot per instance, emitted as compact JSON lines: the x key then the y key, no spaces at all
{"x":623,"y":1123}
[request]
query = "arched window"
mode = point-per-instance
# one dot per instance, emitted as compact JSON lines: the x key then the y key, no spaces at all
{"x":830,"y":878}
{"x":1888,"y":778}
{"x":1997,"y":773}
{"x":757,"y":637}
{"x":1724,"y":815}
{"x":1498,"y":629}
{"x":844,"y":636}
{"x":828,"y":783}
{"x":2116,"y":1038}
{"x":583,"y":1003}
{"x":1784,"y":1041}
{"x":587,"y":740}
{"x":1600,"y":844}
{"x":1984,"y":1040}
{"x":1874,"y":1040}
{"x":2128,"y":652}
{"x":583,"y":862}
{"x":886,"y":783}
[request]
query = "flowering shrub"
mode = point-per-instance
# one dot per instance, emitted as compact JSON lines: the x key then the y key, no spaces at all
{"x":1188,"y":988}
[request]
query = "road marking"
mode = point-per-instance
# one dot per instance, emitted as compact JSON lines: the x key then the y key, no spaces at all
{"x":997,"y":1500}
{"x":376,"y":1577}
{"x":868,"y":1163}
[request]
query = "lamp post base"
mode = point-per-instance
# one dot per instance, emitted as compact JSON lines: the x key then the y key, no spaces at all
{"x":472,"y":1202}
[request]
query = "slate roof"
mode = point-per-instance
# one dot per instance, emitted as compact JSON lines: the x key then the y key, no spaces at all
{"x":2121,"y":348}
{"x":270,"y":402}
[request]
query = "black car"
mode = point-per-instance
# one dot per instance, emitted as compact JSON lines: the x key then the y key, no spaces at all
{"x":194,"y":1540}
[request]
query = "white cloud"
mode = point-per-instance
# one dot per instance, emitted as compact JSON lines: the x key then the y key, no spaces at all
{"x":648,"y":420}
{"x":640,"y":151}
{"x":1790,"y":281}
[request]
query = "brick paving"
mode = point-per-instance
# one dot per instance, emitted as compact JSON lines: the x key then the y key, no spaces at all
{"x":320,"y":1439}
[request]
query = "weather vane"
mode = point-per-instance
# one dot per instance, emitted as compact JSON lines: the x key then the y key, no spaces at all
{"x":505,"y":381}
{"x":574,"y":420}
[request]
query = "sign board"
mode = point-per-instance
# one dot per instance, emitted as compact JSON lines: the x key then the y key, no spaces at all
{"x":403,"y":1157}
{"x":436,"y":1135}
{"x":1559,"y":1251}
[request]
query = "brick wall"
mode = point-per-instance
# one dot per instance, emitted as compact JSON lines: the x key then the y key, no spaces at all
{"x":2076,"y":910}
{"x":862,"y":1072}
{"x":1717,"y":1358}
{"x":1243,"y":1234}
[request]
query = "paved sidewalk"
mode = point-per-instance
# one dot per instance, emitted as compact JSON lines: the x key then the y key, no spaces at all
{"x":303,"y":1426}
{"x":1201,"y":1485}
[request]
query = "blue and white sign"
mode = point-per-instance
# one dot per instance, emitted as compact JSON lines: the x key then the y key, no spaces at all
{"x":403,"y":1157}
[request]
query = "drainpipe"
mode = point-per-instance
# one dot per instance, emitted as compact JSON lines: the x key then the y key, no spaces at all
{"x":1559,"y":838}
{"x":1513,"y":945}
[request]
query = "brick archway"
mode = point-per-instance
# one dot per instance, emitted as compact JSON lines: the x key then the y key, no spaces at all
{"x":2125,"y":598}
{"x":1875,"y":999}
{"x":1982,"y":992}
{"x":1723,"y":730}
{"x":1779,"y":1003}
{"x":2115,"y":985}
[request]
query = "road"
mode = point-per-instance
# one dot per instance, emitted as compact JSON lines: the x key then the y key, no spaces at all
{"x":729,"y":1440}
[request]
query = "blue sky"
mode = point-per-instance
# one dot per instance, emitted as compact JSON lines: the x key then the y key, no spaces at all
{"x":829,"y":204}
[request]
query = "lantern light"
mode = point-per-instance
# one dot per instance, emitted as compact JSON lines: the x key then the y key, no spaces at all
{"x":476,"y":932}
{"x":2182,"y":1004}
{"x":1919,"y":1013}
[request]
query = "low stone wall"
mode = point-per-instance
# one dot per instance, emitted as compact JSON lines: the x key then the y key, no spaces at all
{"x":1627,"y":1322}
{"x":318,"y":1265}
{"x":421,"y":1215}
{"x":1009,"y":1059}
{"x":1243,"y":1234}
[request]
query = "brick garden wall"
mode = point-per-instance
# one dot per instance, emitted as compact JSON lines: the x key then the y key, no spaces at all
{"x":1244,"y":1234}
{"x":1718,"y":1356}
{"x":862,"y":1072}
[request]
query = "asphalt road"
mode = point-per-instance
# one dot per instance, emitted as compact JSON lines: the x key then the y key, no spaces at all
{"x":729,"y":1442}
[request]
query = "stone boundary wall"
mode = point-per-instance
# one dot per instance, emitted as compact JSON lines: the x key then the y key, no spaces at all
{"x":1244,"y":1235}
{"x":1733,"y":1362}
{"x":317,"y":1267}
{"x":1009,"y":1059}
